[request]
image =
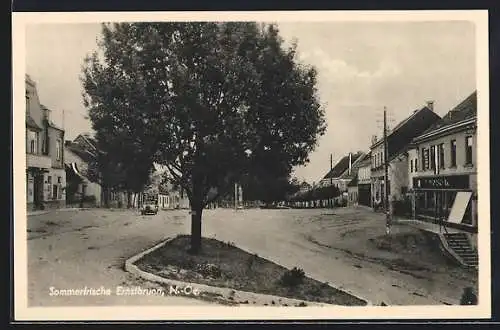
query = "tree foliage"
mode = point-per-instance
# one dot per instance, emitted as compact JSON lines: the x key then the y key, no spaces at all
{"x":210,"y":101}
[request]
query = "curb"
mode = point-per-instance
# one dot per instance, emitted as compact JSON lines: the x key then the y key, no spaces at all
{"x":133,"y":269}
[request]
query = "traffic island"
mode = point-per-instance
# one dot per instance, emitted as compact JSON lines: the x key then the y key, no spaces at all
{"x":229,"y":275}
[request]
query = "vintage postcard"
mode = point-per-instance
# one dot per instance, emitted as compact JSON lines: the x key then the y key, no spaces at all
{"x":251,"y":165}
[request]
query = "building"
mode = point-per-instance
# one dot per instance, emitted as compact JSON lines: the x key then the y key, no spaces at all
{"x":364,"y":181}
{"x":398,"y":142}
{"x":83,"y":187}
{"x":169,"y":196}
{"x":353,"y":192}
{"x":443,"y":168}
{"x":341,"y":174}
{"x":45,"y":174}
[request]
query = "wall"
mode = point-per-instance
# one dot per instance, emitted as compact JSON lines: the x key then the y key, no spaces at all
{"x":54,"y":177}
{"x":364,"y":174}
{"x":412,"y":156}
{"x":353,"y":195}
{"x":54,"y":135}
{"x":398,"y":177}
{"x":461,"y":167}
{"x":92,"y":188}
{"x":34,"y":104}
{"x":377,"y":156}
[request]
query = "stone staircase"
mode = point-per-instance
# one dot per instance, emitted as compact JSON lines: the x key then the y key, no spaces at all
{"x":459,"y":243}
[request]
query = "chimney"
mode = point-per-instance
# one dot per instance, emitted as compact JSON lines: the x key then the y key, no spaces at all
{"x":46,"y":113}
{"x":430,"y":105}
{"x":374,"y":139}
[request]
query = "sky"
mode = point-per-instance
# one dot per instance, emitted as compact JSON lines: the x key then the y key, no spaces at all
{"x":362,"y":68}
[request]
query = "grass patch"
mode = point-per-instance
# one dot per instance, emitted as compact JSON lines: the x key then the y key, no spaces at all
{"x":222,"y":264}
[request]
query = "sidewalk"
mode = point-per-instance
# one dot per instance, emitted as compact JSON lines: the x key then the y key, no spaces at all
{"x":427,"y":226}
{"x":40,"y":212}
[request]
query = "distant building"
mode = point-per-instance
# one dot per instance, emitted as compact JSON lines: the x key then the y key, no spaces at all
{"x":443,"y":167}
{"x":45,"y":174}
{"x":364,"y":181}
{"x":169,"y":196}
{"x":341,"y":174}
{"x":398,"y":142}
{"x":83,"y":187}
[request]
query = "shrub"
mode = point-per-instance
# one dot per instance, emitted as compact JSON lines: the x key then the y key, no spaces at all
{"x":292,"y":278}
{"x":209,"y":270}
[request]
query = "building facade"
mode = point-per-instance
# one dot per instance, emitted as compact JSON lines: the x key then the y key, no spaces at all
{"x":364,"y":182}
{"x":443,"y":168}
{"x":45,"y":173}
{"x":398,"y":141}
{"x":82,"y":188}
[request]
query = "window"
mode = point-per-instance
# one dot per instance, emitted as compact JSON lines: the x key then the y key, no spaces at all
{"x":58,"y":179}
{"x":433,"y":157}
{"x":45,"y":145}
{"x":58,"y":149}
{"x":425,"y":159}
{"x":453,"y":153}
{"x":441,"y":155}
{"x":54,"y":191}
{"x":411,"y":166}
{"x":468,"y":150}
{"x":33,"y":142}
{"x":416,"y":164}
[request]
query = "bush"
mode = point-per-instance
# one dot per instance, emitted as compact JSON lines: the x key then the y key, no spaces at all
{"x":293,"y":278}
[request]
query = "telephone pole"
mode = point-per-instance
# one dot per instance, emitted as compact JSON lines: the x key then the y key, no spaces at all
{"x":386,"y":177}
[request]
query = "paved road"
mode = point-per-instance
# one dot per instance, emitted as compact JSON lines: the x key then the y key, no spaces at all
{"x":88,"y":248}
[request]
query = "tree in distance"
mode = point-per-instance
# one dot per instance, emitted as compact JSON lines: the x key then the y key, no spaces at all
{"x":210,"y":101}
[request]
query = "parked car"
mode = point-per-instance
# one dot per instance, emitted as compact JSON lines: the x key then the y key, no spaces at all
{"x":149,"y":208}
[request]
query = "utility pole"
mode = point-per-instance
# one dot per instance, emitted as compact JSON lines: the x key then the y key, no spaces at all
{"x":235,"y":196}
{"x":386,"y":177}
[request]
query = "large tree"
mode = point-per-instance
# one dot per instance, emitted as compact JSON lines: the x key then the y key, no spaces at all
{"x":210,"y":101}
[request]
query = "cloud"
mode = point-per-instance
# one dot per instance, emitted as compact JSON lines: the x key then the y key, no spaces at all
{"x":340,"y":70}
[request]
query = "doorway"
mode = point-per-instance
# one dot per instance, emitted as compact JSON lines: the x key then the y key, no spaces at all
{"x":38,"y":190}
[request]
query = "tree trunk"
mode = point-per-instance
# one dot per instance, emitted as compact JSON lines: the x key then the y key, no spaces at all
{"x":196,"y":213}
{"x":106,"y":197}
{"x":134,"y":198}
{"x":129,"y":199}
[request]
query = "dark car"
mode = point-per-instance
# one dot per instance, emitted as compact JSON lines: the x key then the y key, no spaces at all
{"x":149,"y":208}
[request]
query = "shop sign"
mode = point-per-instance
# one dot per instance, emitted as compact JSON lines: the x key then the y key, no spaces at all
{"x":442,"y":182}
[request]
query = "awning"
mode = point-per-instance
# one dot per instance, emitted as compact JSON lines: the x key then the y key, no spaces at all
{"x":459,"y":206}
{"x":74,"y":169}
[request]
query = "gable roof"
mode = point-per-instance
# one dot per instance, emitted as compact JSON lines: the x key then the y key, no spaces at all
{"x":353,"y":182}
{"x":30,"y":122}
{"x":86,"y":142}
{"x":403,"y":133}
{"x":467,"y":109}
{"x":342,"y":166}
